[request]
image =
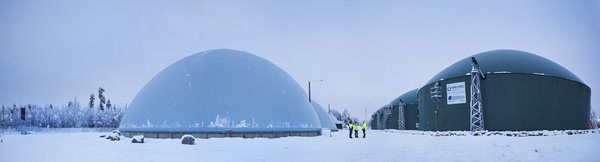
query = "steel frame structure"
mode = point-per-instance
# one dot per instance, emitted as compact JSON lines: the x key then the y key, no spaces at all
{"x":476,"y":104}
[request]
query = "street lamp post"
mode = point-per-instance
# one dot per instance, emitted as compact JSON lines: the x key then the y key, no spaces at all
{"x":309,"y":99}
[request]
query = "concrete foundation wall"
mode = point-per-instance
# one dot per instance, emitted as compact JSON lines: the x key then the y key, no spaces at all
{"x":206,"y":135}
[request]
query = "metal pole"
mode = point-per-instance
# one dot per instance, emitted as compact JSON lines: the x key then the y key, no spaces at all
{"x":329,"y":107}
{"x":436,"y":94}
{"x":309,"y":100}
{"x":365,"y":114}
{"x":437,"y":108}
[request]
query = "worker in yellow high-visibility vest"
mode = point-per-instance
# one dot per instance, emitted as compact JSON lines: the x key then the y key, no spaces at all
{"x":356,"y":129}
{"x":350,"y":128}
{"x":364,"y":128}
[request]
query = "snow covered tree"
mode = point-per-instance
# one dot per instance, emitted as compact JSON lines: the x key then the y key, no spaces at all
{"x":70,"y":115}
{"x":92,"y":100}
{"x":101,"y":98}
{"x":336,"y":114}
{"x":345,"y":117}
{"x":108,"y":104}
{"x":2,"y":116}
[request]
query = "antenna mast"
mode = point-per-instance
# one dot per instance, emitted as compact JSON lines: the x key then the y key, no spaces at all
{"x":476,"y":102}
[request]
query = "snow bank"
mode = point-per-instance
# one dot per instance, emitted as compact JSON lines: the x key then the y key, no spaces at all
{"x":378,"y":146}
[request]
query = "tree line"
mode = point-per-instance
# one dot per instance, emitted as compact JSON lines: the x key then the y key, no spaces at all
{"x":71,"y":115}
{"x":343,"y":117}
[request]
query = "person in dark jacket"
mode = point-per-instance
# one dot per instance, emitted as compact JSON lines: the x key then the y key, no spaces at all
{"x":350,"y":128}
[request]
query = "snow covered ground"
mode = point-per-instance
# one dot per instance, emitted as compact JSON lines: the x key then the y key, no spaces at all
{"x":378,"y":146}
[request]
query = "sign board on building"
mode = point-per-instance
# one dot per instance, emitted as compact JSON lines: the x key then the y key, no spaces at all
{"x":455,"y":93}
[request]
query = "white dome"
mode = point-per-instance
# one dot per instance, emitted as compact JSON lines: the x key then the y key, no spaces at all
{"x":324,"y":117}
{"x":221,"y":90}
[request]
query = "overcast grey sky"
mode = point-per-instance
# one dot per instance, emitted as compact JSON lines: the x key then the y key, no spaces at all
{"x":368,"y":52}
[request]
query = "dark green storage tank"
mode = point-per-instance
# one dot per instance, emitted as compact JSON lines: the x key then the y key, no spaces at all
{"x":392,"y":120}
{"x":380,"y":121}
{"x":409,"y":99}
{"x":373,"y":121}
{"x":521,"y":92}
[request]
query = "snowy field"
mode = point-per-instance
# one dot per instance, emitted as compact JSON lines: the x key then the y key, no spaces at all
{"x":378,"y":146}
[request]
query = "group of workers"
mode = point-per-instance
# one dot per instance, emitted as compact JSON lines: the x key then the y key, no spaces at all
{"x":354,"y":126}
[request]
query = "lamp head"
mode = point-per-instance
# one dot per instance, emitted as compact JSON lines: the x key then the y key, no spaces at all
{"x":474,"y":61}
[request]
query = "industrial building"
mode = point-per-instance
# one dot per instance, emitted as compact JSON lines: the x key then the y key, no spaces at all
{"x":400,"y":113}
{"x":513,"y":91}
{"x":504,"y":90}
{"x":222,"y":93}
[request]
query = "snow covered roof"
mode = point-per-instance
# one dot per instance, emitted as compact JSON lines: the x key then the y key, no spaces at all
{"x":506,"y":61}
{"x":382,"y":109}
{"x":409,"y":97}
{"x":221,"y":90}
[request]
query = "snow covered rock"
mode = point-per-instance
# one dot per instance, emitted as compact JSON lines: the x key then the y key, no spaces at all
{"x":117,"y":132}
{"x":187,"y":139}
{"x":113,"y":137}
{"x":138,"y":139}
